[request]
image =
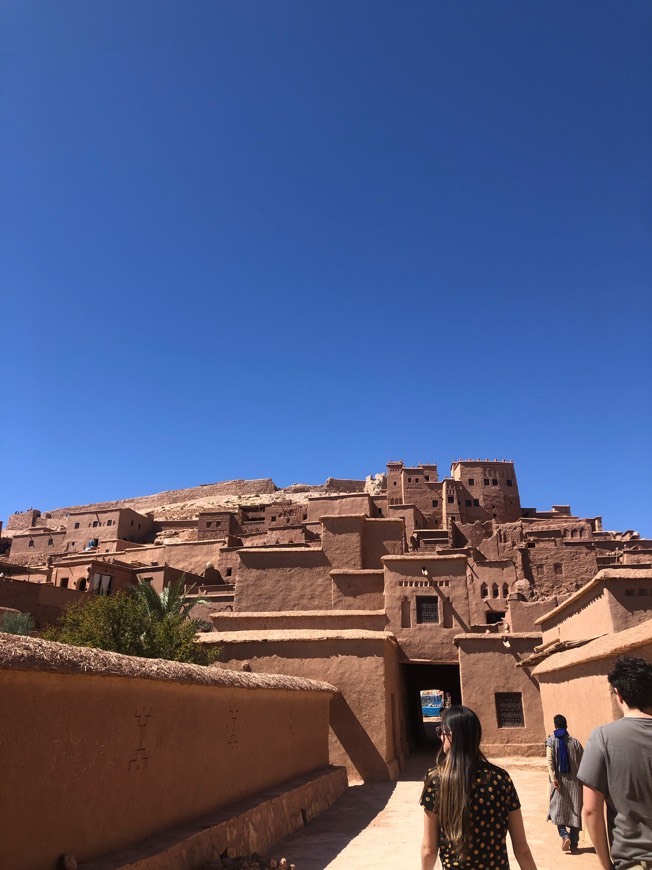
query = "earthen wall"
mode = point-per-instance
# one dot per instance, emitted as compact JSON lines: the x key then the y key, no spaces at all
{"x":162,"y":746}
{"x":488,"y":669}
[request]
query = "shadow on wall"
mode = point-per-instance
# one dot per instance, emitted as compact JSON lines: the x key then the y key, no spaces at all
{"x":356,"y":742}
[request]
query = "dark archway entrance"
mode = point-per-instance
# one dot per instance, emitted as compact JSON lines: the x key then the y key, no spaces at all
{"x":418,"y":677}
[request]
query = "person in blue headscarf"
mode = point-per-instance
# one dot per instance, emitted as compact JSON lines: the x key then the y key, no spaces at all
{"x":563,"y":754}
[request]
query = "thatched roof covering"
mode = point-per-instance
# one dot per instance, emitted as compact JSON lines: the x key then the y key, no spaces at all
{"x":19,"y":653}
{"x":279,"y":635}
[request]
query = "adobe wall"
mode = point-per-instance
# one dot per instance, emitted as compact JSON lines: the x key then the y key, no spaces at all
{"x":22,"y":519}
{"x":45,"y":602}
{"x":38,"y":542}
{"x":630,"y":601}
{"x":493,"y":485}
{"x":405,"y":584}
{"x":79,"y":576}
{"x":381,"y":537}
{"x":190,"y":556}
{"x":358,"y":590}
{"x":556,"y":568}
{"x":345,"y":505}
{"x":575,"y":683}
{"x":363,"y":667}
{"x":282,"y":579}
{"x":339,"y":484}
{"x":614,"y":600}
{"x":487,"y":667}
{"x":164,"y":743}
{"x":583,"y":618}
{"x":367,"y":620}
{"x":341,"y":541}
{"x":522,"y":615}
{"x":490,"y":587}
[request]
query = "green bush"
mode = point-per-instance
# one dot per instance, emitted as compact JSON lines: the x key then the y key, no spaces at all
{"x":17,"y":623}
{"x":124,"y":623}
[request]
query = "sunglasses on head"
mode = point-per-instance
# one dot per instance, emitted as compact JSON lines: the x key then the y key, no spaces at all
{"x":440,"y":731}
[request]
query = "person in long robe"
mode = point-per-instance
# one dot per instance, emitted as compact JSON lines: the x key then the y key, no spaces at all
{"x":563,"y":754}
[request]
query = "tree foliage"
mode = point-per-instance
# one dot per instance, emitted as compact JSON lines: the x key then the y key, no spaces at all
{"x":17,"y":623}
{"x":136,"y":623}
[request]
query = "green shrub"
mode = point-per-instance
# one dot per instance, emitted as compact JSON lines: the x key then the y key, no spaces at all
{"x":124,"y":623}
{"x":17,"y":623}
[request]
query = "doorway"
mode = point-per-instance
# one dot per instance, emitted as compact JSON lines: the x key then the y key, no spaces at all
{"x":434,"y":681}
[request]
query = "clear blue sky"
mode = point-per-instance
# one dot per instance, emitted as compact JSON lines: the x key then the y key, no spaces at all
{"x":297,"y":239}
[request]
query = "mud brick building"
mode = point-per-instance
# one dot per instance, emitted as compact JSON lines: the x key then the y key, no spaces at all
{"x":383,"y":587}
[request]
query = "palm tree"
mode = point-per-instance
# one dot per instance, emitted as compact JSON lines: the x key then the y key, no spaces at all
{"x":172,"y":601}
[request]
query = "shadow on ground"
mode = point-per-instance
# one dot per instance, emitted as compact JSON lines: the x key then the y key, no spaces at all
{"x":316,"y":845}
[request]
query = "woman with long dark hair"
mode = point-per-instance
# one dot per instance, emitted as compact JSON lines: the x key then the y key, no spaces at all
{"x":469,"y":804}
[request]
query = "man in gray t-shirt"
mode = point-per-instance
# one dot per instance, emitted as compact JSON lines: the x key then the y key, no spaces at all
{"x":617,"y":767}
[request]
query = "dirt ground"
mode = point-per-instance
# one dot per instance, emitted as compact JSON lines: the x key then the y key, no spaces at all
{"x":379,"y":825}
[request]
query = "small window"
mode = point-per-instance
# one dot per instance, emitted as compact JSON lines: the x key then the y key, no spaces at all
{"x":132,"y":522}
{"x":427,"y":609}
{"x":305,"y":516}
{"x":558,"y":569}
{"x":31,"y":542}
{"x":426,"y":477}
{"x":508,"y":482}
{"x":630,"y":593}
{"x":109,"y":522}
{"x":471,"y":481}
{"x":495,"y":591}
{"x":642,"y":591}
{"x":509,"y":710}
{"x":50,"y":542}
{"x":494,"y":482}
{"x":505,"y":590}
{"x":76,"y":525}
{"x":476,"y":502}
{"x":273,"y":519}
{"x":486,"y":481}
{"x":493,"y":617}
{"x":468,"y":502}
{"x":229,"y":572}
{"x":484,"y":591}
{"x":138,"y":525}
{"x":209,"y":525}
{"x":95,"y":524}
{"x":451,"y":499}
{"x":435,"y":502}
{"x":409,"y":480}
{"x":63,"y":583}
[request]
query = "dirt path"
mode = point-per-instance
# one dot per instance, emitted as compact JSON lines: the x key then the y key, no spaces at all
{"x":379,"y":825}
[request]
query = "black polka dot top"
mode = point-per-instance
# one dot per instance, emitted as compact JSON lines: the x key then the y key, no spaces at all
{"x":493,"y":796}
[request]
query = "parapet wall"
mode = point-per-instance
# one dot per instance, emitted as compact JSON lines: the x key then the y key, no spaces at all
{"x":104,"y":750}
